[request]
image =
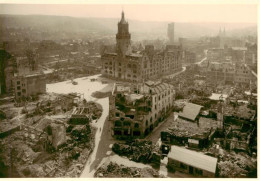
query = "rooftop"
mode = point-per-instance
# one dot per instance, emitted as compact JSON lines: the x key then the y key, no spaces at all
{"x":193,"y":158}
{"x":218,"y":97}
{"x":190,"y":111}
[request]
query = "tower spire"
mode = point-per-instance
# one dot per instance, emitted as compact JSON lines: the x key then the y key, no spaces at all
{"x":123,"y":21}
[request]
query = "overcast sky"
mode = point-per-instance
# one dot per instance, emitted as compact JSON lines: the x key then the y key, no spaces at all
{"x":242,"y":13}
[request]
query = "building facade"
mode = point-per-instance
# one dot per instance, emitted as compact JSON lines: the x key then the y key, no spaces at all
{"x":140,"y":66}
{"x":28,"y":85}
{"x":136,"y":111}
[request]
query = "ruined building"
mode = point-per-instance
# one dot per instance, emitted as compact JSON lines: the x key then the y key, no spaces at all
{"x":6,"y":71}
{"x":137,"y":111}
{"x":28,"y":80}
{"x":140,"y":66}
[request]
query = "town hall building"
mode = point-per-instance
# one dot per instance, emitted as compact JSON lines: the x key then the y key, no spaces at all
{"x":139,"y":66}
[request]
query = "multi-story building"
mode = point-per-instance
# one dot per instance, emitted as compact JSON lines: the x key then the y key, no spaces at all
{"x":124,"y":64}
{"x":28,"y":85}
{"x":6,"y":71}
{"x":171,"y":33}
{"x":251,"y":55}
{"x":136,"y":111}
{"x":230,"y":73}
{"x":238,"y":54}
{"x":28,"y":80}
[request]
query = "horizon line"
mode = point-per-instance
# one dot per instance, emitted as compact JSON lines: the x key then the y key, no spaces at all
{"x":255,"y":23}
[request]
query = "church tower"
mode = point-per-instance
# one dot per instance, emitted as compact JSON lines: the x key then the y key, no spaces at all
{"x":123,"y":37}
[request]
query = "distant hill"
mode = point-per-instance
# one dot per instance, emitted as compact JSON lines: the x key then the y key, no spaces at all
{"x":71,"y":26}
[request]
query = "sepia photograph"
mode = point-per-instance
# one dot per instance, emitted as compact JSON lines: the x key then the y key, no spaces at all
{"x":121,"y":89}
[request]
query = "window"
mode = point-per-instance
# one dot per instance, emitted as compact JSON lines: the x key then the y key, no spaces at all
{"x":19,"y":93}
{"x":127,"y":124}
{"x":119,"y":64}
{"x":18,"y":82}
{"x":118,"y":124}
{"x":117,"y":114}
{"x":183,"y":166}
{"x":151,"y":120}
{"x":146,"y":123}
{"x":198,"y":171}
{"x":18,"y":88}
{"x":24,"y":91}
{"x":136,"y":125}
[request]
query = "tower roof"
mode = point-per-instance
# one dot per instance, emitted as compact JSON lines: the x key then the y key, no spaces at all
{"x":123,"y":21}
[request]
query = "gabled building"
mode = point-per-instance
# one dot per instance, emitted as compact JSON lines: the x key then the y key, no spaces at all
{"x":192,"y":162}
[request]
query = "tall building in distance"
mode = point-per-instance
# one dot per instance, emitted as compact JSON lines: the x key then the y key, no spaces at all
{"x":222,"y":37}
{"x":171,"y":33}
{"x":141,"y":65}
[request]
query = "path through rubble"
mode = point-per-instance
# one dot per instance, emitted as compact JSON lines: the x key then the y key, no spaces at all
{"x":86,"y":87}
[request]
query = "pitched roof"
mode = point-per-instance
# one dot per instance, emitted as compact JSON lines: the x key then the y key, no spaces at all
{"x":190,"y":111}
{"x":193,"y":158}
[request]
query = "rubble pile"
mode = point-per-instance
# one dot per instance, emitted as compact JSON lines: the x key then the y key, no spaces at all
{"x":45,"y":145}
{"x":234,"y":165}
{"x":95,"y":109}
{"x":44,"y":159}
{"x":183,"y":128}
{"x":113,"y":170}
{"x":138,"y":150}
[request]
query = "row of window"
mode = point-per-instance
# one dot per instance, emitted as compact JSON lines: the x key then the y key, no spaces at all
{"x":126,"y":123}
